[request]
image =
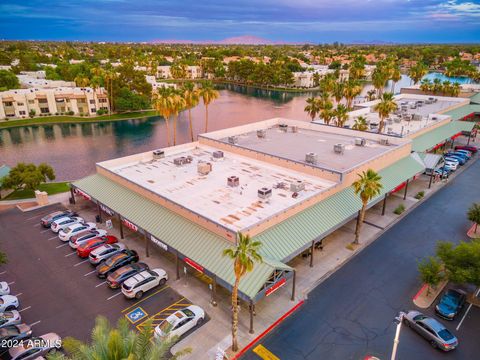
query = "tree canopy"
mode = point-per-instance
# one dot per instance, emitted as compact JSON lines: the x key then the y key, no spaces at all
{"x":28,"y":176}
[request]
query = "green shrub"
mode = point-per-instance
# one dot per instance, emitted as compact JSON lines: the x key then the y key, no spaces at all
{"x":420,"y":195}
{"x":399,"y":209}
{"x":70,"y":112}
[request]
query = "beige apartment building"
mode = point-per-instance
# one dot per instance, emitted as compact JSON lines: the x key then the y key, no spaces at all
{"x":20,"y":102}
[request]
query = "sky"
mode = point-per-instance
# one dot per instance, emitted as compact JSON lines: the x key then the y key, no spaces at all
{"x":289,"y":21}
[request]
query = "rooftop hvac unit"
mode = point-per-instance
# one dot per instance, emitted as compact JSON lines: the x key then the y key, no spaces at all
{"x":389,"y":130}
{"x":233,"y":181}
{"x":297,"y":186}
{"x":383,"y":141}
{"x":261,"y":134}
{"x":182,"y":160}
{"x":218,"y":154}
{"x":232,"y":139}
{"x":360,"y":141}
{"x":283,"y":127}
{"x":294,"y":129}
{"x":264,"y":193}
{"x":339,"y":148}
{"x":204,"y":168}
{"x":311,"y":158}
{"x":158,"y":154}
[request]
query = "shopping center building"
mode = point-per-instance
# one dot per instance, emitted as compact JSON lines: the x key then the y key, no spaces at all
{"x":286,"y":183}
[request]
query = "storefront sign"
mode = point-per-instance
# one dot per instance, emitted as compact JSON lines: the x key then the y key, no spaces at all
{"x":456,"y":136}
{"x":193,"y":264}
{"x":398,"y":188}
{"x":80,"y":192}
{"x":159,"y":243}
{"x":106,"y":210}
{"x":108,"y":224}
{"x":129,"y":225}
{"x":275,"y":287}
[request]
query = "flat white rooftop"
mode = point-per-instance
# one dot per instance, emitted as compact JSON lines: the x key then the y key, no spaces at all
{"x":235,"y":208}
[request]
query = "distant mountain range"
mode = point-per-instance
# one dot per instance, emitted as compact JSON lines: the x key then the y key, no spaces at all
{"x":238,"y":40}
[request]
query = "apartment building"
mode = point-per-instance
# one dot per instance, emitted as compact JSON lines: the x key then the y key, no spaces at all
{"x":193,"y":72}
{"x":20,"y":102}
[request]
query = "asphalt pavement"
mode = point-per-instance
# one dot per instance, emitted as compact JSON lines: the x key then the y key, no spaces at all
{"x":351,"y":314}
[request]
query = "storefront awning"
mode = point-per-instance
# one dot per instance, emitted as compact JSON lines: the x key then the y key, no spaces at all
{"x":439,"y":135}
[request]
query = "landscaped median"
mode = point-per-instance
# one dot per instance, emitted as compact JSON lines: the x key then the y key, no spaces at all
{"x":48,"y":120}
{"x":51,"y":189}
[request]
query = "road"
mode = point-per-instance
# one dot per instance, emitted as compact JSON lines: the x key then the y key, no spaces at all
{"x":350,"y":315}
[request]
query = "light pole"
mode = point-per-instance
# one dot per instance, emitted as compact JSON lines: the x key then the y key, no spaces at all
{"x":399,"y":318}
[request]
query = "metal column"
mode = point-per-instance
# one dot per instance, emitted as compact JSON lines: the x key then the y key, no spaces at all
{"x":251,"y":308}
{"x":406,"y":189}
{"x":293,"y":286}
{"x":72,"y":194}
{"x":147,"y":250}
{"x":177,"y":266}
{"x":214,"y":290}
{"x":99,"y":212}
{"x":311,"y":253}
{"x":121,"y":226}
{"x":384,"y":204}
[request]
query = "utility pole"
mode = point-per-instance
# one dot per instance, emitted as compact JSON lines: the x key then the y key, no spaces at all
{"x":399,"y":318}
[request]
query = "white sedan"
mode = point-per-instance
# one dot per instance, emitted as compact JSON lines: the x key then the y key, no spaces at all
{"x":8,"y":303}
{"x":4,"y":288}
{"x":62,"y":223}
{"x":66,"y":233}
{"x":180,"y":322}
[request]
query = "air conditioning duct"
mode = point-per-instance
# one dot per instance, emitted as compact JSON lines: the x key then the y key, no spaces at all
{"x":204,"y":168}
{"x":218,"y":154}
{"x":261,"y":134}
{"x":294,"y":128}
{"x":158,"y":154}
{"x":339,"y":148}
{"x":360,"y":141}
{"x":384,"y":142}
{"x":232,"y":139}
{"x":233,"y":181}
{"x":264,"y":193}
{"x":283,"y":127}
{"x":311,"y":158}
{"x":297,"y":186}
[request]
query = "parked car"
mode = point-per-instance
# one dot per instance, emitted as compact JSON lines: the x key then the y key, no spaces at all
{"x":458,"y":154}
{"x":115,"y":262}
{"x":83,"y":237}
{"x":8,"y":318}
{"x":180,"y":322}
{"x":46,"y":221}
{"x":85,"y":249}
{"x":36,"y":347}
{"x":115,"y":279}
{"x":451,"y":165}
{"x":432,"y":330}
{"x":443,"y":171}
{"x":459,"y":159}
{"x":104,"y":252}
{"x":472,"y":149}
{"x":140,"y":283}
{"x":66,"y":233}
{"x":62,"y":223}
{"x":467,"y":153}
{"x":450,"y":304}
{"x":15,"y":332}
{"x":8,"y":302}
{"x":4,"y":288}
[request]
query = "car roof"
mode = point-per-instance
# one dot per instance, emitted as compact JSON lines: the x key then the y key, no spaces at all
{"x":139,"y":277}
{"x":433,"y":324}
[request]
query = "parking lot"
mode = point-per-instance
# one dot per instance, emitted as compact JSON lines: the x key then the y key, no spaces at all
{"x":60,"y":292}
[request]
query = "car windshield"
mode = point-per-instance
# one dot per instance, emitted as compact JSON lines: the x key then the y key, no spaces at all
{"x":188,"y":312}
{"x":114,"y":259}
{"x":166,"y":326}
{"x":446,"y":335}
{"x":419,"y":317}
{"x":67,"y":229}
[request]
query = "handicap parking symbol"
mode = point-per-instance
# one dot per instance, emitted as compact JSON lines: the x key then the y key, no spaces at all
{"x":136,"y":315}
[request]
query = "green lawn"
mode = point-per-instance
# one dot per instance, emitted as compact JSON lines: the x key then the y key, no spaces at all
{"x":76,"y":119}
{"x":50,"y":188}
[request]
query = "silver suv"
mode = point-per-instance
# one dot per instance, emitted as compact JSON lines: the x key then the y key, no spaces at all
{"x":135,"y":286}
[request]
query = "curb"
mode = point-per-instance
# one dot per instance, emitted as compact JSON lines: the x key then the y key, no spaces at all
{"x":266,"y":331}
{"x":393,"y":223}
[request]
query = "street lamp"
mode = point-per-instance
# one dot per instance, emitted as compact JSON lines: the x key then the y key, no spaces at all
{"x":396,"y":340}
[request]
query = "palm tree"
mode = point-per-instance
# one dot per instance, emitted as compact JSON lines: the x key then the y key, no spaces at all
{"x":395,"y":76}
{"x":417,"y":72}
{"x":371,"y":94}
{"x":351,"y":90}
{"x":338,"y":91}
{"x":426,"y":85}
{"x":162,"y":104}
{"x":326,"y":110}
{"x":379,"y":79}
{"x":385,"y":107}
{"x":341,"y":115}
{"x":192,"y":98}
{"x":177,"y":104}
{"x":456,"y":89}
{"x":313,"y":107}
{"x":121,"y":342}
{"x":368,"y":186}
{"x":360,"y":124}
{"x":208,"y":94}
{"x":473,"y":214}
{"x":82,"y":81}
{"x":244,"y":255}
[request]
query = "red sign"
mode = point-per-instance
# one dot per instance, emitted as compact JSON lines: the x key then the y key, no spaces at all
{"x":85,"y":195}
{"x":456,"y":135}
{"x":398,"y":188}
{"x":416,"y":177}
{"x":129,"y":225}
{"x":275,"y":287}
{"x":194,"y":264}
{"x":438,"y":145}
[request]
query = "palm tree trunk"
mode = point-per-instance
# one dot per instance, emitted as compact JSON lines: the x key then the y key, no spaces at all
{"x":235,"y":314}
{"x":175,"y":130}
{"x":168,"y":130}
{"x":190,"y":121}
{"x":381,"y":125}
{"x":206,"y":118}
{"x":361,"y":217}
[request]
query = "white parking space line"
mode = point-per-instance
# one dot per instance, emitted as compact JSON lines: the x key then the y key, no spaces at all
{"x":36,"y":216}
{"x":11,"y":283}
{"x":3,"y":272}
{"x":37,"y":225}
{"x":19,"y":294}
{"x":73,"y":253}
{"x":61,"y":246}
{"x":90,"y":273}
{"x":466,"y":312}
{"x":111,"y":297}
{"x":35,"y":323}
{"x":53,"y":237}
{"x":28,"y":307}
{"x":44,"y":231}
{"x":81,"y":262}
{"x":101,"y":284}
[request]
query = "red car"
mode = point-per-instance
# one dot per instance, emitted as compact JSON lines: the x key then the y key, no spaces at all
{"x":84,"y":250}
{"x":472,"y":149}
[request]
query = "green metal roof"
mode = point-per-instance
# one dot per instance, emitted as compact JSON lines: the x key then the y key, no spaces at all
{"x":436,"y":136}
{"x":475,"y":99}
{"x":285,"y":240}
{"x":461,"y":112}
{"x":190,"y":239}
